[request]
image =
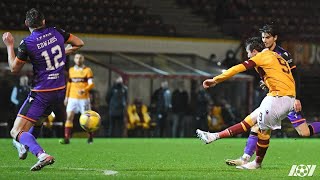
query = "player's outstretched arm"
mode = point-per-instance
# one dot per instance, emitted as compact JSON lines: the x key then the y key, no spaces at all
{"x":224,"y":76}
{"x":75,"y":42}
{"x":15,"y":64}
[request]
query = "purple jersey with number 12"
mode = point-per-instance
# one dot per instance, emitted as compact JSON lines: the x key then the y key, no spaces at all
{"x":45,"y":49}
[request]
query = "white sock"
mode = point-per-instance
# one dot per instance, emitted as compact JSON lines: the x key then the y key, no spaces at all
{"x":246,"y":157}
{"x":42,"y":155}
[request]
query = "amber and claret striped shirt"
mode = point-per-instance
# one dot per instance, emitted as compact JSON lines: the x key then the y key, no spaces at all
{"x":274,"y":70}
{"x":79,"y":78}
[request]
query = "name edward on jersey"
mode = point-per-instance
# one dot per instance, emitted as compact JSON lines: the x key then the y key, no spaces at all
{"x":47,"y":42}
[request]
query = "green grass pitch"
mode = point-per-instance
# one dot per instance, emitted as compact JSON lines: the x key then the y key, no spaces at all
{"x":158,"y":159}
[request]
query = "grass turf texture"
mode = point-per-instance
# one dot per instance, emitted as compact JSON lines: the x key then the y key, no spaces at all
{"x":157,"y":159}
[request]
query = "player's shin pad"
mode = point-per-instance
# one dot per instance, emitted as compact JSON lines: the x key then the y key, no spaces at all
{"x":262,"y":146}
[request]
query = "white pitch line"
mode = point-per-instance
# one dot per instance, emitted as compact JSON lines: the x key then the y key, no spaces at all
{"x":106,"y":172}
{"x":110,"y":172}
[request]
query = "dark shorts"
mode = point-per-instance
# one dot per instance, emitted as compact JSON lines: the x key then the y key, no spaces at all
{"x":40,"y":104}
{"x":295,"y":118}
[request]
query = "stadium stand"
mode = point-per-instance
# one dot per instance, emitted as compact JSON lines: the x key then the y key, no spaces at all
{"x":188,"y":18}
{"x":296,"y":18}
{"x":97,"y":16}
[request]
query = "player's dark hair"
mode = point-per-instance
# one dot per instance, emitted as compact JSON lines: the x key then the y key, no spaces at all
{"x":254,"y":43}
{"x":270,"y":29}
{"x":34,"y":18}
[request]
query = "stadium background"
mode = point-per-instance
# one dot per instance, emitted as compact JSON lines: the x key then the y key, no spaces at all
{"x":137,"y":38}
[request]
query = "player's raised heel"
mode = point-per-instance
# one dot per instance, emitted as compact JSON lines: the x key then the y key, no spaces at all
{"x":207,"y":137}
{"x":44,"y":160}
{"x":22,"y":150}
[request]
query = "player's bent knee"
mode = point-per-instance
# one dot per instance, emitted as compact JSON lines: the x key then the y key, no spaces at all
{"x":250,"y":121}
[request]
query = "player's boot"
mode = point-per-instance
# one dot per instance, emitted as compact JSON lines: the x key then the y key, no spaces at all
{"x":44,"y":160}
{"x":64,"y":141}
{"x":206,"y":136}
{"x":237,"y":162}
{"x":251,"y":165}
{"x":22,"y":149}
{"x":90,"y":140}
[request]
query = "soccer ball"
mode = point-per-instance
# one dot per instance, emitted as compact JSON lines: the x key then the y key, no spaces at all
{"x":90,"y":121}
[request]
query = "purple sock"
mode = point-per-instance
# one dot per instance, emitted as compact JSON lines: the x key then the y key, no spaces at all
{"x":28,"y":139}
{"x":251,"y":145}
{"x":35,"y":131}
{"x":316,"y":127}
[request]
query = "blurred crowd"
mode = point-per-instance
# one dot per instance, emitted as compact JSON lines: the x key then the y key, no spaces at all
{"x":173,"y":112}
{"x":170,"y":114}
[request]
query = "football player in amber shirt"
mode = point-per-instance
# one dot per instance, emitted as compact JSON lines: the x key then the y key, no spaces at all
{"x":279,"y":101}
{"x":269,"y":37}
{"x":77,"y":95}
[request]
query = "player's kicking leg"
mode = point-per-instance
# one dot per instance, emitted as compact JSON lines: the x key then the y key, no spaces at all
{"x":239,"y":128}
{"x":298,"y":122}
{"x":248,"y":150}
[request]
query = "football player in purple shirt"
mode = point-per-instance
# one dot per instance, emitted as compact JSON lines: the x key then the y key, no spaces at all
{"x":46,"y":51}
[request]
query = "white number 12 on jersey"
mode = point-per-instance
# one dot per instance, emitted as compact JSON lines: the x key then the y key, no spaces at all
{"x":56,"y":51}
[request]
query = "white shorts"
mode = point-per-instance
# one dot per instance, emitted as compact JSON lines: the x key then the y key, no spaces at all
{"x":78,"y":105}
{"x":272,"y":111}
